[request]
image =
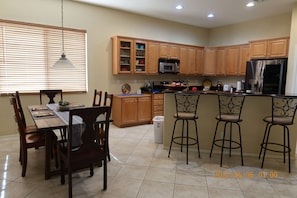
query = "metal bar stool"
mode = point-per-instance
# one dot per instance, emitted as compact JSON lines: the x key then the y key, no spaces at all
{"x":230,"y":107}
{"x":283,"y":113}
{"x":186,"y":110}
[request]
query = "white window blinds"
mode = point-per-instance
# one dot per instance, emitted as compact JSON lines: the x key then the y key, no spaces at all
{"x":28,"y":52}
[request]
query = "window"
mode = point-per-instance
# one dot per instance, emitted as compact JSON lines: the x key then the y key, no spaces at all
{"x":28,"y":52}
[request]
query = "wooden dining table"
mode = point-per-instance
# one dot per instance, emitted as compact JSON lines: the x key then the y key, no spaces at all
{"x":49,"y":117}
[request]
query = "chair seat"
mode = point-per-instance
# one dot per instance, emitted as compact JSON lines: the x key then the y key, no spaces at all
{"x":229,"y":117}
{"x":36,"y":138}
{"x":278,"y":120}
{"x":185,"y":116}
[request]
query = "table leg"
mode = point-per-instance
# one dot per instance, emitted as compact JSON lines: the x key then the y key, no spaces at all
{"x":48,"y":143}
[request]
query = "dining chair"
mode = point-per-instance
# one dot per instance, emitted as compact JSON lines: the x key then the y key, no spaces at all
{"x":283,"y":112}
{"x":91,"y":151}
{"x":97,"y":98}
{"x":108,"y":98}
{"x":30,"y":137}
{"x":51,"y":94}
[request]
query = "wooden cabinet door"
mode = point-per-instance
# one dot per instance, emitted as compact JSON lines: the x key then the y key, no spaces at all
{"x":153,"y":58}
{"x":169,"y":51}
{"x":129,"y":110}
{"x":139,"y":57}
{"x":174,"y":51}
{"x":122,"y":60}
{"x":258,"y":49}
{"x":278,"y":48}
{"x":144,"y":109}
{"x":232,"y":60}
{"x":209,"y":67}
{"x":220,"y":62}
{"x":192,"y":67}
{"x":199,"y":60}
{"x":243,"y":58}
{"x":183,"y":66}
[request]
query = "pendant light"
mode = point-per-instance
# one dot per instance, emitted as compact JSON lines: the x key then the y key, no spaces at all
{"x":63,"y":62}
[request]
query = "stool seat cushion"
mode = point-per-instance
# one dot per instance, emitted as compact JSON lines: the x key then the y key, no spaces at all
{"x":281,"y":120}
{"x":185,"y":115}
{"x":229,"y":117}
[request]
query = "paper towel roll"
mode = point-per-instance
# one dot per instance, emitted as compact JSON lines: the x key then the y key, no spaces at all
{"x":238,"y":86}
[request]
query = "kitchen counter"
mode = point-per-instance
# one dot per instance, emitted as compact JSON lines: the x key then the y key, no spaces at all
{"x":256,"y":107}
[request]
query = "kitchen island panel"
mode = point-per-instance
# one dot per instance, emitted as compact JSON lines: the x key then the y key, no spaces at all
{"x":252,"y":127}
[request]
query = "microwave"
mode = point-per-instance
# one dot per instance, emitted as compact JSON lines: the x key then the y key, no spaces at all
{"x":168,"y":66}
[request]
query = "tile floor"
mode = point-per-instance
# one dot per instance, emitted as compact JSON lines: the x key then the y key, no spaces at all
{"x":140,"y":168}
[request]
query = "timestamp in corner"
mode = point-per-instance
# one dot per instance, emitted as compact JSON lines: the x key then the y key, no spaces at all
{"x":247,"y":174}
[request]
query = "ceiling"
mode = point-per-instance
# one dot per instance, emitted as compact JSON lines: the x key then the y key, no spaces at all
{"x":195,"y":12}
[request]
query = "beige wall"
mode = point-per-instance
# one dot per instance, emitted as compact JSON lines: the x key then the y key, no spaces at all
{"x":272,"y":27}
{"x":102,"y":23}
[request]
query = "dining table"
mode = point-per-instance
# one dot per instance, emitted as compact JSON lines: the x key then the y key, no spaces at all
{"x":51,"y":117}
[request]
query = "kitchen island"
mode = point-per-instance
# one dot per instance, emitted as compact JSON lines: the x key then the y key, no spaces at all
{"x":256,"y":107}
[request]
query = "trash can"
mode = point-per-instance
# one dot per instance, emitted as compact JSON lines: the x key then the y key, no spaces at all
{"x":158,"y":129}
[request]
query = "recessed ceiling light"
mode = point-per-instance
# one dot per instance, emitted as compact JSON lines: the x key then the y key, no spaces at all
{"x":210,"y":15}
{"x":179,"y":7}
{"x":250,"y":4}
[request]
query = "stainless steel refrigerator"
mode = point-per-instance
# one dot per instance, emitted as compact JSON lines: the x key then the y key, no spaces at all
{"x":266,"y":76}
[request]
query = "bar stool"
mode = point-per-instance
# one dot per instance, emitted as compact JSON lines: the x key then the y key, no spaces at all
{"x":186,"y":110}
{"x":282,"y":114}
{"x":230,"y":107}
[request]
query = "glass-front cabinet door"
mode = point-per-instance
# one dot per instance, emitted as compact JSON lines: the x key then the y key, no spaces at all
{"x":125,"y":56}
{"x":140,"y":57}
{"x":129,"y":56}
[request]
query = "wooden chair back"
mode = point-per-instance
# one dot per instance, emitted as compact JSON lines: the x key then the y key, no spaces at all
{"x":97,"y":98}
{"x":108,"y":99}
{"x":91,"y":151}
{"x":51,"y":94}
{"x":20,"y":108}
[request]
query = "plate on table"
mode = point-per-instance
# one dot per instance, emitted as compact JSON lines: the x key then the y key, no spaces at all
{"x":126,"y":88}
{"x":43,"y":113}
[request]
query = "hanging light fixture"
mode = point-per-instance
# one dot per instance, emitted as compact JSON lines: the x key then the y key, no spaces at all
{"x":63,"y":62}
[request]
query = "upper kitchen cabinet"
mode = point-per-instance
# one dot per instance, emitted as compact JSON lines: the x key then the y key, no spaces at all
{"x":152,"y":57}
{"x":139,"y":58}
{"x":232,"y":60}
{"x":199,"y":60}
{"x":188,"y":60}
{"x":209,"y":67}
{"x":220,"y":61}
{"x":244,"y":56}
{"x":169,"y":51}
{"x":270,"y":48}
{"x":129,"y":55}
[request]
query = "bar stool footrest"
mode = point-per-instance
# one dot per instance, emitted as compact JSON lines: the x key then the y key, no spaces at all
{"x":287,"y":150}
{"x":227,"y":147}
{"x":174,"y":140}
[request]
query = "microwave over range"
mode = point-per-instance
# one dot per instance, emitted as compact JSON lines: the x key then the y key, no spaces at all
{"x":168,"y":66}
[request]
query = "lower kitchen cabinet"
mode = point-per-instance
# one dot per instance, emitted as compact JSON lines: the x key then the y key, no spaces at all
{"x":157,"y":105}
{"x":131,"y":110}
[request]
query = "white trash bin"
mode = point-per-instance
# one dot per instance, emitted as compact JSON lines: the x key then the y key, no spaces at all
{"x":158,"y":129}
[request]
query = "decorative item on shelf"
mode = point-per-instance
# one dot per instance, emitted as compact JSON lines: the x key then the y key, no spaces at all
{"x":63,"y":62}
{"x":126,"y":88}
